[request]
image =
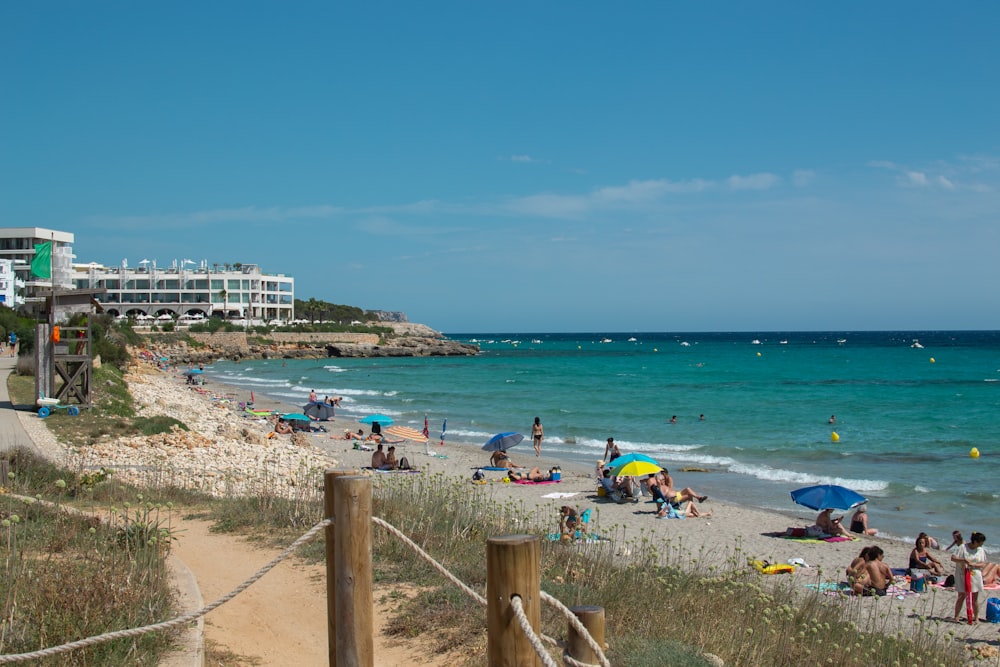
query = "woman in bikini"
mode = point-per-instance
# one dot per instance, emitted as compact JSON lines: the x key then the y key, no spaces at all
{"x":921,"y":558}
{"x":533,"y":475}
{"x":537,"y":433}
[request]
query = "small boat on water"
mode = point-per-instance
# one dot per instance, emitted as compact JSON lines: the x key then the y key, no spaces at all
{"x":782,"y":342}
{"x":841,"y":341}
{"x":606,"y":340}
{"x":755,"y":342}
{"x":916,"y":344}
{"x":632,"y":339}
{"x":684,"y":343}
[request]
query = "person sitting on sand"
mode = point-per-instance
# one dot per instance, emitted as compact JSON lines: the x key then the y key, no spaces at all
{"x":826,"y":524}
{"x":533,"y":475}
{"x":282,"y":427}
{"x":390,"y":460}
{"x":921,"y":558}
{"x":689,"y":511}
{"x":378,"y":458}
{"x":569,"y":521}
{"x":859,"y":522}
{"x":879,"y":574}
{"x":500,"y":459}
{"x":629,"y":488}
{"x":857,"y":571}
{"x":676,"y":497}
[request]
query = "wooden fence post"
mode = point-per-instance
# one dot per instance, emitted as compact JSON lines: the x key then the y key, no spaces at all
{"x":331,"y":574}
{"x":352,"y":506}
{"x":576,"y":646}
{"x":513,"y":567}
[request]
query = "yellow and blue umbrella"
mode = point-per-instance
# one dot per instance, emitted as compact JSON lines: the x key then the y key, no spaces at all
{"x":635,"y":469}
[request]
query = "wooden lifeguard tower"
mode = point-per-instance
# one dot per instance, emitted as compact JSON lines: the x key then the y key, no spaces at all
{"x":63,"y":355}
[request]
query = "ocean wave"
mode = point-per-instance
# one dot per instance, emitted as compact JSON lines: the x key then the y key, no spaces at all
{"x":250,"y":380}
{"x":334,"y":369}
{"x":781,"y":475}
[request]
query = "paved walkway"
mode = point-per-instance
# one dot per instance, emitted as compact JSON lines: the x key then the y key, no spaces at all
{"x":12,"y":434}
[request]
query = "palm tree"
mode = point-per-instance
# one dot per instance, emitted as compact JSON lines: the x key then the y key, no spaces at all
{"x":225,"y":303}
{"x":312,"y":308}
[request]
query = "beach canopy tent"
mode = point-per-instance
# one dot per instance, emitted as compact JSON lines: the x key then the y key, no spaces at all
{"x":502,"y":441}
{"x":295,"y":417}
{"x":318,"y":410}
{"x":827,"y":496}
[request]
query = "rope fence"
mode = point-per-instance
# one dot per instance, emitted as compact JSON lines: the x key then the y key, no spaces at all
{"x":516,"y":603}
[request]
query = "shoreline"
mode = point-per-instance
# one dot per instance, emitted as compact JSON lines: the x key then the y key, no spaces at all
{"x":228,"y":446}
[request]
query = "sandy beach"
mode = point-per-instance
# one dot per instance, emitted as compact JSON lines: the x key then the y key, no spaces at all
{"x":227,"y":449}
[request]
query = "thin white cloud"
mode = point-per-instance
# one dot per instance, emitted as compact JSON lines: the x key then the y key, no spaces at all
{"x":246,"y":214}
{"x":761,"y":181}
{"x":952,"y":176}
{"x":522,"y":158}
{"x":802,"y":177}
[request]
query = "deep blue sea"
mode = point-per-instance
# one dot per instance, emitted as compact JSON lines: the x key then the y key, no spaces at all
{"x":909,"y":407}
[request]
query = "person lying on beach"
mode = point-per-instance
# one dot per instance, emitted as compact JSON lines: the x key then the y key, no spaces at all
{"x":533,"y":475}
{"x":676,"y":497}
{"x":282,"y":427}
{"x":921,"y":558}
{"x":351,"y":435}
{"x":826,"y":524}
{"x":688,"y":511}
{"x":500,"y":459}
{"x":374,"y":437}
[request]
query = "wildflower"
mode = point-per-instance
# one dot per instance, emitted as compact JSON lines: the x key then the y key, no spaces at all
{"x":61,"y":483}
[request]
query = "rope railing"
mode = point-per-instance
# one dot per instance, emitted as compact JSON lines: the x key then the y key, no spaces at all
{"x":535,"y":639}
{"x":180,"y":620}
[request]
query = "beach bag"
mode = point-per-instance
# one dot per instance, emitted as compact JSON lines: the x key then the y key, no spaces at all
{"x":993,"y":610}
{"x":404,"y":464}
{"x":478,"y":475}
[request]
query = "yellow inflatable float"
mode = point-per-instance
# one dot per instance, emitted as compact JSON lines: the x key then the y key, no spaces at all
{"x":764,"y":567}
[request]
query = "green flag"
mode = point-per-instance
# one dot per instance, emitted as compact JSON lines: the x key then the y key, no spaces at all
{"x":41,"y":265}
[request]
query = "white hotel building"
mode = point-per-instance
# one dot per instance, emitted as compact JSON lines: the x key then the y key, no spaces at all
{"x":188,"y":289}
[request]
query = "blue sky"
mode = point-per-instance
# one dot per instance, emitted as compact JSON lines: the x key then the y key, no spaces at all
{"x":527,"y":166}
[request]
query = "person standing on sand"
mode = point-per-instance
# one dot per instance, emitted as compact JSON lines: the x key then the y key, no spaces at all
{"x":611,"y":451}
{"x":970,"y":556}
{"x":537,"y":433}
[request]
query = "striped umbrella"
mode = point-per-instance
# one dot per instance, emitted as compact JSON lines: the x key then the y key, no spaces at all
{"x":406,"y":433}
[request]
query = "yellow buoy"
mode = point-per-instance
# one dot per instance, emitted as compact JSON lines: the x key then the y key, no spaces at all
{"x":758,"y":354}
{"x":974,"y":453}
{"x":932,"y":360}
{"x":834,"y":437}
{"x":655,"y":350}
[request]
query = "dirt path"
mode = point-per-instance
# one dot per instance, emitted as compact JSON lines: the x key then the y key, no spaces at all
{"x":281,"y":619}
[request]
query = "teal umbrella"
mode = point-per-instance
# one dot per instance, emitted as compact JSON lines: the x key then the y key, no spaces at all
{"x":295,"y":417}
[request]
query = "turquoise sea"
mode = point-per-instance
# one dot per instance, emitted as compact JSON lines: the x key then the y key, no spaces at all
{"x":909,"y":407}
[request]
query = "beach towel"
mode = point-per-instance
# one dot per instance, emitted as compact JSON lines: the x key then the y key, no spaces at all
{"x":561,"y":494}
{"x":527,"y":481}
{"x":493,"y":468}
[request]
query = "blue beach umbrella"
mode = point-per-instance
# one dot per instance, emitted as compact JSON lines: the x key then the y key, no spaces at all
{"x":193,"y":371}
{"x":828,"y":496}
{"x":383,"y":420}
{"x":444,"y":427}
{"x":502,"y":441}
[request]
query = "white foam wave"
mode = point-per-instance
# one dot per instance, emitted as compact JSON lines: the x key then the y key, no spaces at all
{"x":334,"y":369}
{"x":780,"y":475}
{"x":921,"y":489}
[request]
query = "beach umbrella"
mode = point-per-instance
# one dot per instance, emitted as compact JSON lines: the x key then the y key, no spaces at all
{"x":827,"y":496}
{"x":635,"y":469}
{"x":502,"y":441}
{"x":319,"y":410}
{"x":295,"y":417}
{"x":193,"y":371}
{"x":444,"y":427}
{"x":634,"y":456}
{"x":383,"y":420}
{"x":406,"y":433}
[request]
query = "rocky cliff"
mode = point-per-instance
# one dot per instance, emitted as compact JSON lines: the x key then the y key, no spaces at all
{"x":407,"y":340}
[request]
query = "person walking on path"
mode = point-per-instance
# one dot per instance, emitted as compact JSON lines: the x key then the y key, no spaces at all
{"x":537,"y":433}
